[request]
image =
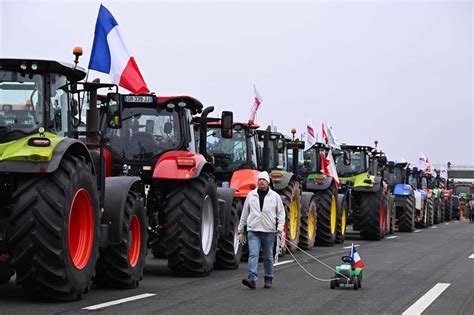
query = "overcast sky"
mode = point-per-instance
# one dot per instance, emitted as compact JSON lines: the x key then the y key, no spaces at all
{"x":396,"y":71}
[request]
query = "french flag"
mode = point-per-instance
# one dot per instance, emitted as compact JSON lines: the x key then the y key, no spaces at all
{"x":358,"y":263}
{"x":110,"y":55}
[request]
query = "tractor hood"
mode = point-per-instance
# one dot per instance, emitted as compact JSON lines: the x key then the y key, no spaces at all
{"x":25,"y":149}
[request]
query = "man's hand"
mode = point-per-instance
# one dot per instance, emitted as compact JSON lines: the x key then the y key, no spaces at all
{"x":242,"y":238}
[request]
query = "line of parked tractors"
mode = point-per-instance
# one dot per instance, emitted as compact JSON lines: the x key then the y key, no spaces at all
{"x":91,"y":179}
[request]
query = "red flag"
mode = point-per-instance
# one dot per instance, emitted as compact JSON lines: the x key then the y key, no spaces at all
{"x":324,"y":134}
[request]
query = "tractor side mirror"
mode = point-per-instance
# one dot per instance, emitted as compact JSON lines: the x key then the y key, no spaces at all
{"x":346,"y":156}
{"x":382,"y":160}
{"x":114,"y":110}
{"x":227,"y":123}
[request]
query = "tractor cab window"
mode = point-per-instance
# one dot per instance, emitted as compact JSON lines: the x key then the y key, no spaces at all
{"x":357,"y":166}
{"x":289,"y":154}
{"x":310,"y":163}
{"x":58,"y":108}
{"x":229,"y":154}
{"x":21,"y":103}
{"x":462,"y":189}
{"x":146,"y":132}
{"x":276,"y":158}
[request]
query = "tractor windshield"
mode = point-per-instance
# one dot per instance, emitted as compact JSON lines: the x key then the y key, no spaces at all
{"x":229,"y":154}
{"x":311,"y":162}
{"x":357,"y":166}
{"x":21,"y":103}
{"x":276,"y":157}
{"x":462,"y":189}
{"x":145,"y":133}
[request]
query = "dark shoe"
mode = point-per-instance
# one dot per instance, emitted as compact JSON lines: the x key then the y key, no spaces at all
{"x":249,"y":283}
{"x":268,"y":282}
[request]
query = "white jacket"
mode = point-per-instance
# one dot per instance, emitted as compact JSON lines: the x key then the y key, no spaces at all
{"x":266,"y":220}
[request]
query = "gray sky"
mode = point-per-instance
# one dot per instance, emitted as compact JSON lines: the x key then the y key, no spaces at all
{"x":396,"y":71}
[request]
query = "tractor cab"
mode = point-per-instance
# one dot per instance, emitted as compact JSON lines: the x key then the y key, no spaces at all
{"x":233,"y":154}
{"x":272,"y":147}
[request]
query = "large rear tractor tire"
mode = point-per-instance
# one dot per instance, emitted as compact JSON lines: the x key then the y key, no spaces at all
{"x":406,"y":215}
{"x":326,"y":219}
{"x":191,"y":226}
{"x":448,"y":211}
{"x":308,"y":226}
{"x":121,"y":266}
{"x":230,"y":250}
{"x":341,"y":220}
{"x":292,"y":202}
{"x":54,"y":236}
{"x":373,"y":215}
{"x":441,"y":209}
{"x":430,"y":211}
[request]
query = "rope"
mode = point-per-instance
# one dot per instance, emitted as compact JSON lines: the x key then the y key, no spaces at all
{"x":314,"y":258}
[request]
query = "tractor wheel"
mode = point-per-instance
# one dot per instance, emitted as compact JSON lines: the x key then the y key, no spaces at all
{"x":406,"y":215}
{"x":430,"y":211}
{"x":55,"y":230}
{"x":341,"y":221}
{"x":326,"y":218}
{"x":121,"y":266}
{"x":191,"y":226}
{"x":355,"y":282}
{"x":436,"y":211}
{"x":158,"y":250}
{"x":373,"y":217}
{"x":332,"y":284}
{"x":441,"y":210}
{"x":448,"y":211}
{"x":308,"y":226}
{"x":230,"y":250}
{"x":6,"y":272}
{"x":360,"y":280}
{"x":292,"y":202}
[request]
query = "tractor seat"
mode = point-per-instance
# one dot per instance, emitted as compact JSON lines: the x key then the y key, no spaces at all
{"x":142,"y":143}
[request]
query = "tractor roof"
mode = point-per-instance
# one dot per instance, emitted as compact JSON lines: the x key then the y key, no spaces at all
{"x":193,"y":104}
{"x":69,"y":70}
{"x":357,"y":147}
{"x":237,"y":124}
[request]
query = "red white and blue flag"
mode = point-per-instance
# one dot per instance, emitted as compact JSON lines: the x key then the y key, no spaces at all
{"x":358,"y":263}
{"x":111,"y":55}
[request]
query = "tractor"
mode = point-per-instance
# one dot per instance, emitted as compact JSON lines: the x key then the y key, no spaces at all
{"x":404,"y":193}
{"x":63,"y":224}
{"x":424,"y":201}
{"x":437,"y":194}
{"x":464,"y":192}
{"x":371,"y":204}
{"x":331,"y":206}
{"x":191,"y":222}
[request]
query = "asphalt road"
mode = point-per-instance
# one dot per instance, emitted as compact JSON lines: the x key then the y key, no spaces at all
{"x":429,"y":270}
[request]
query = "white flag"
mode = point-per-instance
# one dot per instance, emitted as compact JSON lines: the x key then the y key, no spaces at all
{"x":332,"y":137}
{"x":421,"y":163}
{"x":310,"y":135}
{"x":256,"y":104}
{"x":443,"y":173}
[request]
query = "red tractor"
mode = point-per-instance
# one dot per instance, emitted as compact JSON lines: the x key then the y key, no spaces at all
{"x":191,"y":222}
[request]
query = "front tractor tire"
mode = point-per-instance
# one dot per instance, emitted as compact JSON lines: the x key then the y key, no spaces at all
{"x":373,"y":215}
{"x":341,"y":221}
{"x":54,"y":236}
{"x":326,"y":218}
{"x":230,"y":250}
{"x":292,"y":203}
{"x":308,"y":226}
{"x":121,"y":266}
{"x":191,"y":226}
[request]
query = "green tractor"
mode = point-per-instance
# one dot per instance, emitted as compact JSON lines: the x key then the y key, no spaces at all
{"x":363,"y":169}
{"x":437,"y":194}
{"x":62,"y":222}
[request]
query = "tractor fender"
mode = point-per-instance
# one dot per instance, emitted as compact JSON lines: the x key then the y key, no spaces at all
{"x":402,"y":190}
{"x":377,"y":185}
{"x":305,"y":200}
{"x":116,"y":193}
{"x":244,"y":181}
{"x":281,"y":179}
{"x":225,"y":196}
{"x":313,"y":185}
{"x":167,"y":166}
{"x":67,"y":145}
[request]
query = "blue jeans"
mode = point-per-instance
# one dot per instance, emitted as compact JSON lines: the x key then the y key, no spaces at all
{"x":265,"y":240}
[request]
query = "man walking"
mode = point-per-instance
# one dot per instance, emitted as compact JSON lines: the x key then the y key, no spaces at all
{"x":264,"y":215}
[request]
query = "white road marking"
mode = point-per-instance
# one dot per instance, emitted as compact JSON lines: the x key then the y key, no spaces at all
{"x":456,"y":221}
{"x":393,"y":236}
{"x":283,"y":262}
{"x":416,"y":231}
{"x":419,"y":306}
{"x":433,"y":227}
{"x":446,"y":223}
{"x":116,"y":302}
{"x":347,"y":247}
{"x":472,"y":256}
